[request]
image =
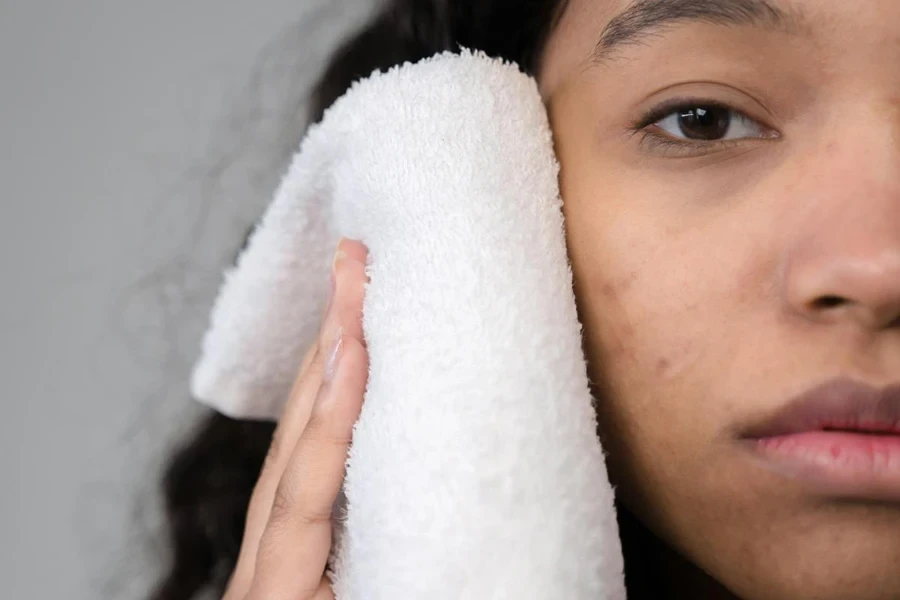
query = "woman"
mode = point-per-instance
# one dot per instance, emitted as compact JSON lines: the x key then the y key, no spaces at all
{"x":732,"y":194}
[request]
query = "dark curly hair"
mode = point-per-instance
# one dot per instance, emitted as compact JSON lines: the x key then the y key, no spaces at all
{"x":209,"y":479}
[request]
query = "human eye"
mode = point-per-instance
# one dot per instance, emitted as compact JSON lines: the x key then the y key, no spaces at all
{"x":688,"y":127}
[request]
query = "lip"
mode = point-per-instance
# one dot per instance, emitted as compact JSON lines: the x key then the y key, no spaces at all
{"x":840,"y":438}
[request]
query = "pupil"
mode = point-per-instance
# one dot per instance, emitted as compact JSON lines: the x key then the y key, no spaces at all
{"x":704,"y":122}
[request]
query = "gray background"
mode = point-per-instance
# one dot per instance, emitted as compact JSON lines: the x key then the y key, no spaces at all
{"x":138,"y":141}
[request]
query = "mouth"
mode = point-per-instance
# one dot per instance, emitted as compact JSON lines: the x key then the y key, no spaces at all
{"x":839,"y":439}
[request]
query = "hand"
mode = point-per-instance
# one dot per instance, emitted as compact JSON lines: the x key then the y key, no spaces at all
{"x":288,"y":534}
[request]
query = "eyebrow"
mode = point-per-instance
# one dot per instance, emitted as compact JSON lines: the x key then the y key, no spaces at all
{"x":644,"y":18}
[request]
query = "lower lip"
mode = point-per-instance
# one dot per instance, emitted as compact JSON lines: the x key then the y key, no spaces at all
{"x":837,"y":463}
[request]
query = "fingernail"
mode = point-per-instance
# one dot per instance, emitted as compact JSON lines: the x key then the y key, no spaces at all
{"x":334,"y":355}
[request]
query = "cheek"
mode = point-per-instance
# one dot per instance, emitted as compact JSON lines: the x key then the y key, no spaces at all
{"x":643,"y":320}
{"x":640,"y":335}
{"x":655,"y":297}
{"x":651,"y":334}
{"x":625,"y":256}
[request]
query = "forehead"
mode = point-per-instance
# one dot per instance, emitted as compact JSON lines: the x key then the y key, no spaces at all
{"x":593,"y":27}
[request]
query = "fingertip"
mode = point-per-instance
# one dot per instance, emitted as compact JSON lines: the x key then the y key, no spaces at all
{"x":354,"y":249}
{"x":352,"y":279}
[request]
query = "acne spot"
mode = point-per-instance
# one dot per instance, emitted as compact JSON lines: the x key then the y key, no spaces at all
{"x":662,"y":365}
{"x":627,"y":281}
{"x":617,"y":287}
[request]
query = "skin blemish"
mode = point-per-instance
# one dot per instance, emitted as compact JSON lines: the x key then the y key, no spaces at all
{"x":662,"y":365}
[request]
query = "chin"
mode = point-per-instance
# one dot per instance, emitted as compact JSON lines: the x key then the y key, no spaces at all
{"x":829,"y":550}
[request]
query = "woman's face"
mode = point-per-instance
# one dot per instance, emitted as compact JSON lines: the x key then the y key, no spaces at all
{"x":731,"y":180}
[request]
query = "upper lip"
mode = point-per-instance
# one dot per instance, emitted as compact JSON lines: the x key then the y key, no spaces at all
{"x":837,"y":404}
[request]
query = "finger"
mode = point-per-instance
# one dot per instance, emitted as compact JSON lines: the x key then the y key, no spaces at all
{"x":345,"y":313}
{"x":264,"y":490}
{"x":346,"y":273}
{"x":297,"y":539}
{"x":354,"y":249}
{"x":345,"y":316}
{"x":261,"y":498}
{"x":346,"y":309}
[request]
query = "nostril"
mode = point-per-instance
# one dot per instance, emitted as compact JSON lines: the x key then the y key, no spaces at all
{"x":829,"y":302}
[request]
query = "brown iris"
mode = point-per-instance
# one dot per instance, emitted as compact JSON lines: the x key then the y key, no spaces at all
{"x":704,"y":122}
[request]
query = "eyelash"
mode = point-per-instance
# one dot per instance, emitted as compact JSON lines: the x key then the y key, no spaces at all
{"x":668,"y":145}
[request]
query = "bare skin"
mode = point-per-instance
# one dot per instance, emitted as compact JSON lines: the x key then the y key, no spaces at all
{"x":717,"y":278}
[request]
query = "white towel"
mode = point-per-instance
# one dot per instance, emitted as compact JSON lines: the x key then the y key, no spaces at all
{"x":475,"y":471}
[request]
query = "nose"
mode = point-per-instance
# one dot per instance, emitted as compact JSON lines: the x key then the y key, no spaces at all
{"x":861,"y":286}
{"x":843,"y":265}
